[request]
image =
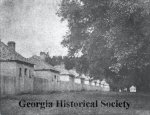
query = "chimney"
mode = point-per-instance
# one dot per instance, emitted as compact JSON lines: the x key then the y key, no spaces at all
{"x":62,"y":65}
{"x":11,"y":45}
{"x":43,"y":55}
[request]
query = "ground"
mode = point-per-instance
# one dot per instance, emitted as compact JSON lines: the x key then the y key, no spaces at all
{"x":139,"y":104}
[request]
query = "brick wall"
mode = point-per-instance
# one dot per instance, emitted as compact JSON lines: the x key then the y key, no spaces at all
{"x":11,"y":82}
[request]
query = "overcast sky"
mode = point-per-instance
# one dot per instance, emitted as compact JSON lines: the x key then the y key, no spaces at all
{"x":33,"y":25}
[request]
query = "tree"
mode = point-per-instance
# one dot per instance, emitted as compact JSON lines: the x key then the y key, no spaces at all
{"x":69,"y":62}
{"x":109,"y":33}
{"x":82,"y":65}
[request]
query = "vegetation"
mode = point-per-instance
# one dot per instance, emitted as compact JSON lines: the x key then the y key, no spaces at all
{"x":69,"y":62}
{"x":114,"y":38}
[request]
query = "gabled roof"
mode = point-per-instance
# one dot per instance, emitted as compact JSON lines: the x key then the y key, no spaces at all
{"x":86,"y":77}
{"x":7,"y":54}
{"x":73,"y":72}
{"x":41,"y":65}
{"x":63,"y":71}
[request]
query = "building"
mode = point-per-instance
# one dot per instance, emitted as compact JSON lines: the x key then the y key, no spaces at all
{"x":104,"y":85}
{"x":86,"y":79}
{"x":46,"y":76}
{"x":78,"y":80}
{"x":93,"y":83}
{"x":132,"y":89}
{"x":66,"y":78}
{"x":16,"y":72}
{"x":65,"y":75}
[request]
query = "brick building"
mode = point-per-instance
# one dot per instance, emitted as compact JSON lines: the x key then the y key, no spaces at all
{"x":46,"y":76}
{"x":16,"y":72}
{"x":66,"y":78}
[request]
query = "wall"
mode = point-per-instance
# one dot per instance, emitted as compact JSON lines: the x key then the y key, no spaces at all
{"x":40,"y":84}
{"x":10,"y":82}
{"x":7,"y":77}
{"x":77,"y":80}
{"x":8,"y":69}
{"x":24,"y":82}
{"x":46,"y":81}
{"x":51,"y":77}
{"x":64,"y":77}
{"x":42,"y":81}
{"x":46,"y":75}
{"x":87,"y":82}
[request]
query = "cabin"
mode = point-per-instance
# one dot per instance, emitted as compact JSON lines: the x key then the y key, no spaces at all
{"x":133,"y":89}
{"x":66,"y":78}
{"x":64,"y":74}
{"x":104,"y":85}
{"x":93,"y":82}
{"x":16,"y":71}
{"x":85,"y":79}
{"x":46,"y":76}
{"x":78,"y":80}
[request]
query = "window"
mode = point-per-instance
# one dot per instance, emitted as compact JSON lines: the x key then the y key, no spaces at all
{"x":25,"y":71}
{"x":55,"y":76}
{"x":30,"y":74}
{"x":20,"y":74}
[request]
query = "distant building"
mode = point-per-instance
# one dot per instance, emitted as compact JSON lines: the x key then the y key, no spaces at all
{"x":73,"y":72}
{"x":16,"y":72}
{"x":86,"y":79}
{"x":77,"y":80}
{"x":132,"y":89}
{"x":104,"y":85}
{"x":87,"y":82}
{"x":65,"y":75}
{"x":66,"y":78}
{"x":43,"y":69}
{"x":93,"y":82}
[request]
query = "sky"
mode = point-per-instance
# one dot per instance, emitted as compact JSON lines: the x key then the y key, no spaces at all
{"x":33,"y":25}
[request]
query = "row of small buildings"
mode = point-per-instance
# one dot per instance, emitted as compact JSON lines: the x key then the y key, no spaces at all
{"x":20,"y":75}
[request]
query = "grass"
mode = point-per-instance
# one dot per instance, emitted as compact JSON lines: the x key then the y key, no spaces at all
{"x":140,"y":104}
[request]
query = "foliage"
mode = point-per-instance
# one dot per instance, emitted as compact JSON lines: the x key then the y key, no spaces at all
{"x":82,"y":65}
{"x":69,"y":62}
{"x":113,"y":34}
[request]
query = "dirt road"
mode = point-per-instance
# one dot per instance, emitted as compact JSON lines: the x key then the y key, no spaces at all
{"x":76,"y":103}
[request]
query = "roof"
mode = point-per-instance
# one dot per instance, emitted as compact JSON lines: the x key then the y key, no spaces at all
{"x":73,"y":72}
{"x":62,"y":70}
{"x":104,"y":82}
{"x":86,"y":77}
{"x":41,"y":65}
{"x":7,"y":54}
